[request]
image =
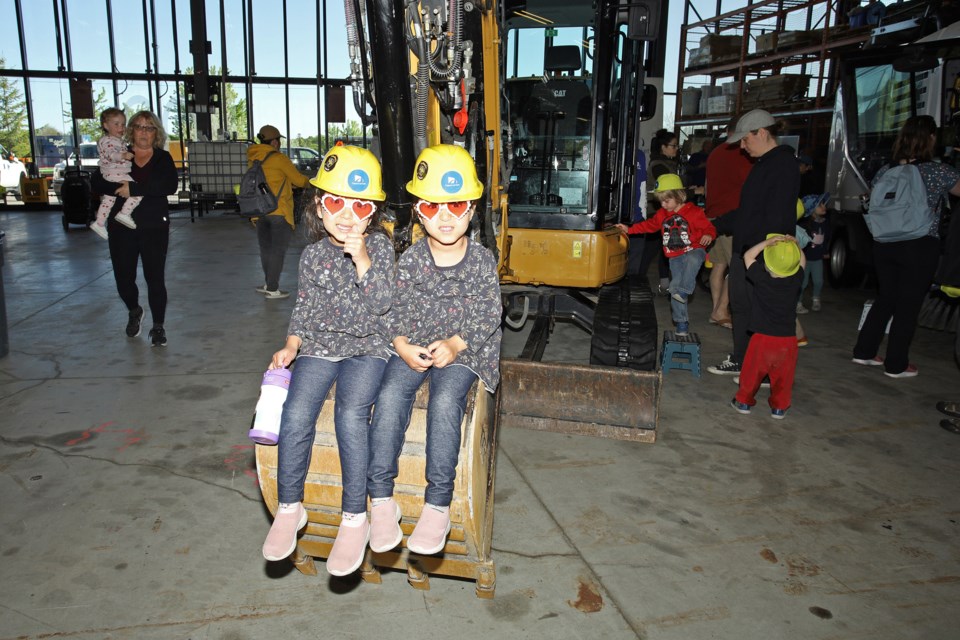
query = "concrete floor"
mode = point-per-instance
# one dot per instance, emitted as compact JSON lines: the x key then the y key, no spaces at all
{"x":130,"y":509}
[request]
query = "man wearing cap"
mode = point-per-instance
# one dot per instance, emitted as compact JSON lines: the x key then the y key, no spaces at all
{"x":275,"y":229}
{"x":768,"y":204}
{"x":727,"y":169}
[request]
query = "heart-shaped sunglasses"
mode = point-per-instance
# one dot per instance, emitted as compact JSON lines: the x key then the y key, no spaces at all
{"x":362,"y":209}
{"x":430,"y":209}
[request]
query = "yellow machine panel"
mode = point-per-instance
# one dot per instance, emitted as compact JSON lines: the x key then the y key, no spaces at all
{"x":580,"y":259}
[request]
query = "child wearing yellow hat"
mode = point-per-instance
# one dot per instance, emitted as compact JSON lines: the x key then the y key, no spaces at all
{"x":775,"y":268}
{"x":686,"y":235}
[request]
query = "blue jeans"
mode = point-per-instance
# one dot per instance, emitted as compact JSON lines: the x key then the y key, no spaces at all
{"x":683,"y":279}
{"x":814,"y":271}
{"x":358,"y":379}
{"x":448,"y":399}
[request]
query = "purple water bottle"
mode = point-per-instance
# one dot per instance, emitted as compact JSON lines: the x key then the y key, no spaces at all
{"x":273,"y":393}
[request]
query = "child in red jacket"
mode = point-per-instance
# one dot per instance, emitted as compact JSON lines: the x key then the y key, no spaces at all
{"x":686,"y":234}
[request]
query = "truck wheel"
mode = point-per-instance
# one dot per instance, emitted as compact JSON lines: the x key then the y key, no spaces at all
{"x":842,"y":270}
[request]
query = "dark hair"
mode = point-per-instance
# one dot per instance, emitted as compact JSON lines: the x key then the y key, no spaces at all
{"x":315,"y":231}
{"x":914,"y":142}
{"x":660,"y":139}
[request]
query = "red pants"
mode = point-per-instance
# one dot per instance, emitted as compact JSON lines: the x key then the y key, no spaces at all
{"x":772,"y":356}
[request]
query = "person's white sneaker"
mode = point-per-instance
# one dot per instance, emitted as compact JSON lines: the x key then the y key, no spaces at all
{"x":276,"y":295}
{"x":126,"y":220}
{"x":100,"y":231}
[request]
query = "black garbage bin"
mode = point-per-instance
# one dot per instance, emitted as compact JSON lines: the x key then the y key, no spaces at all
{"x":75,"y":198}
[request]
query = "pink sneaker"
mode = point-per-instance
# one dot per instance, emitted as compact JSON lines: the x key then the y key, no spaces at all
{"x":430,"y":534}
{"x":347,"y":553}
{"x":385,"y":532}
{"x":282,"y":539}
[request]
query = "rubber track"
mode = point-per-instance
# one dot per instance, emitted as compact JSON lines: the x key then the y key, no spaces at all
{"x":625,"y":326}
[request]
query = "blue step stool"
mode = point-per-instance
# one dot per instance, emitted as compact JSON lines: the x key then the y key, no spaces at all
{"x":680,"y":352}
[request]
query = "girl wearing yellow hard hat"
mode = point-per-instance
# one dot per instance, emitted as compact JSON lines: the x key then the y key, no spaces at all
{"x":336,"y":335}
{"x":445,"y":327}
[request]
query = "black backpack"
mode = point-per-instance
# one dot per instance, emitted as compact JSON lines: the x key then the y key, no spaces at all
{"x":255,"y":197}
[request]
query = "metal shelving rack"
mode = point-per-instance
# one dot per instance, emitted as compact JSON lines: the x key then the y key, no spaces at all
{"x":811,"y":58}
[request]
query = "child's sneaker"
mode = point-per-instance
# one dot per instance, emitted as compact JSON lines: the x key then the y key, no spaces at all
{"x":346,"y":556}
{"x":778,"y":414}
{"x":282,"y":539}
{"x":816,"y":304}
{"x":126,"y":220}
{"x":385,"y":532}
{"x":875,"y":361}
{"x":763,"y":383}
{"x":679,"y":297}
{"x":430,"y":534}
{"x":683,"y":329}
{"x":802,"y":342}
{"x":800,"y":308}
{"x":100,"y":230}
{"x":740,"y":407}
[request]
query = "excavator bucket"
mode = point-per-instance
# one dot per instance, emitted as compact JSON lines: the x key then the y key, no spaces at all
{"x":609,"y":402}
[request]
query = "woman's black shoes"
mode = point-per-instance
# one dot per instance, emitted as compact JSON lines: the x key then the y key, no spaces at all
{"x":133,"y":323}
{"x":158,"y":337}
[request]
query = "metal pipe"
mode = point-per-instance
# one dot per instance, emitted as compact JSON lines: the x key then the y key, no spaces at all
{"x":146,"y":51}
{"x":113,"y":50}
{"x":26,"y":86}
{"x":392,"y":94}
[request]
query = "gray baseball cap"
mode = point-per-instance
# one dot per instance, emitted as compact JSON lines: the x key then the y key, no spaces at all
{"x":750,"y":121}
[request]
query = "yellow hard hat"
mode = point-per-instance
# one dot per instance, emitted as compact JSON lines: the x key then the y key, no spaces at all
{"x":669,"y":182}
{"x":782,"y":258}
{"x":445,"y":173}
{"x":351,"y":172}
{"x":800,"y":208}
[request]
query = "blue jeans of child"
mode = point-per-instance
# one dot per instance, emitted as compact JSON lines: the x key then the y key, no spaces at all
{"x":358,"y":380}
{"x":683,"y":279}
{"x":448,"y":398}
{"x":814,"y":271}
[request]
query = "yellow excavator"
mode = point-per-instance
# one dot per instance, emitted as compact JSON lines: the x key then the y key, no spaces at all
{"x":548,"y":98}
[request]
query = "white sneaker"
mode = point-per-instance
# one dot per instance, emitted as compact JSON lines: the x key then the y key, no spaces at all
{"x":126,"y":220}
{"x":816,"y":304}
{"x":100,"y":231}
{"x":261,"y":289}
{"x":801,"y":308}
{"x":276,"y":295}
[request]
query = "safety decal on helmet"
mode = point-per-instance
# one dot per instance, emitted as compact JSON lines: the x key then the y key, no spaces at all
{"x":422,"y":169}
{"x":451,"y":182}
{"x":330,"y":162}
{"x":358,"y":180}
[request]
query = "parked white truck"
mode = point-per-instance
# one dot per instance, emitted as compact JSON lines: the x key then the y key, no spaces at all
{"x":906,"y":71}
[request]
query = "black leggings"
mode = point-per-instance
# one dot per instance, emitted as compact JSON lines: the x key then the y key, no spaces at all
{"x":149,"y":246}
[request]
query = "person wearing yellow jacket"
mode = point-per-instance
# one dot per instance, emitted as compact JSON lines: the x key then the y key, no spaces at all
{"x":275,"y":229}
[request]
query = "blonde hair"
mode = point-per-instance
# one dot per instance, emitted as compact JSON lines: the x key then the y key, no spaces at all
{"x":160,"y":142}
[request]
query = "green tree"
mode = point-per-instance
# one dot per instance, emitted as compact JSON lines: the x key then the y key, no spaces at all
{"x":47,"y":130}
{"x":234,"y":109}
{"x":13,"y":115}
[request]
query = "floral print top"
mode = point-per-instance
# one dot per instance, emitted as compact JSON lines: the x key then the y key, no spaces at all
{"x":434,"y":303}
{"x":336,"y":315}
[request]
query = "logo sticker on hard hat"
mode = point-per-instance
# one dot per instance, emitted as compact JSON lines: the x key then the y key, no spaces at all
{"x":451,"y":182}
{"x":422,"y":169}
{"x":330,"y":162}
{"x":358,"y":180}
